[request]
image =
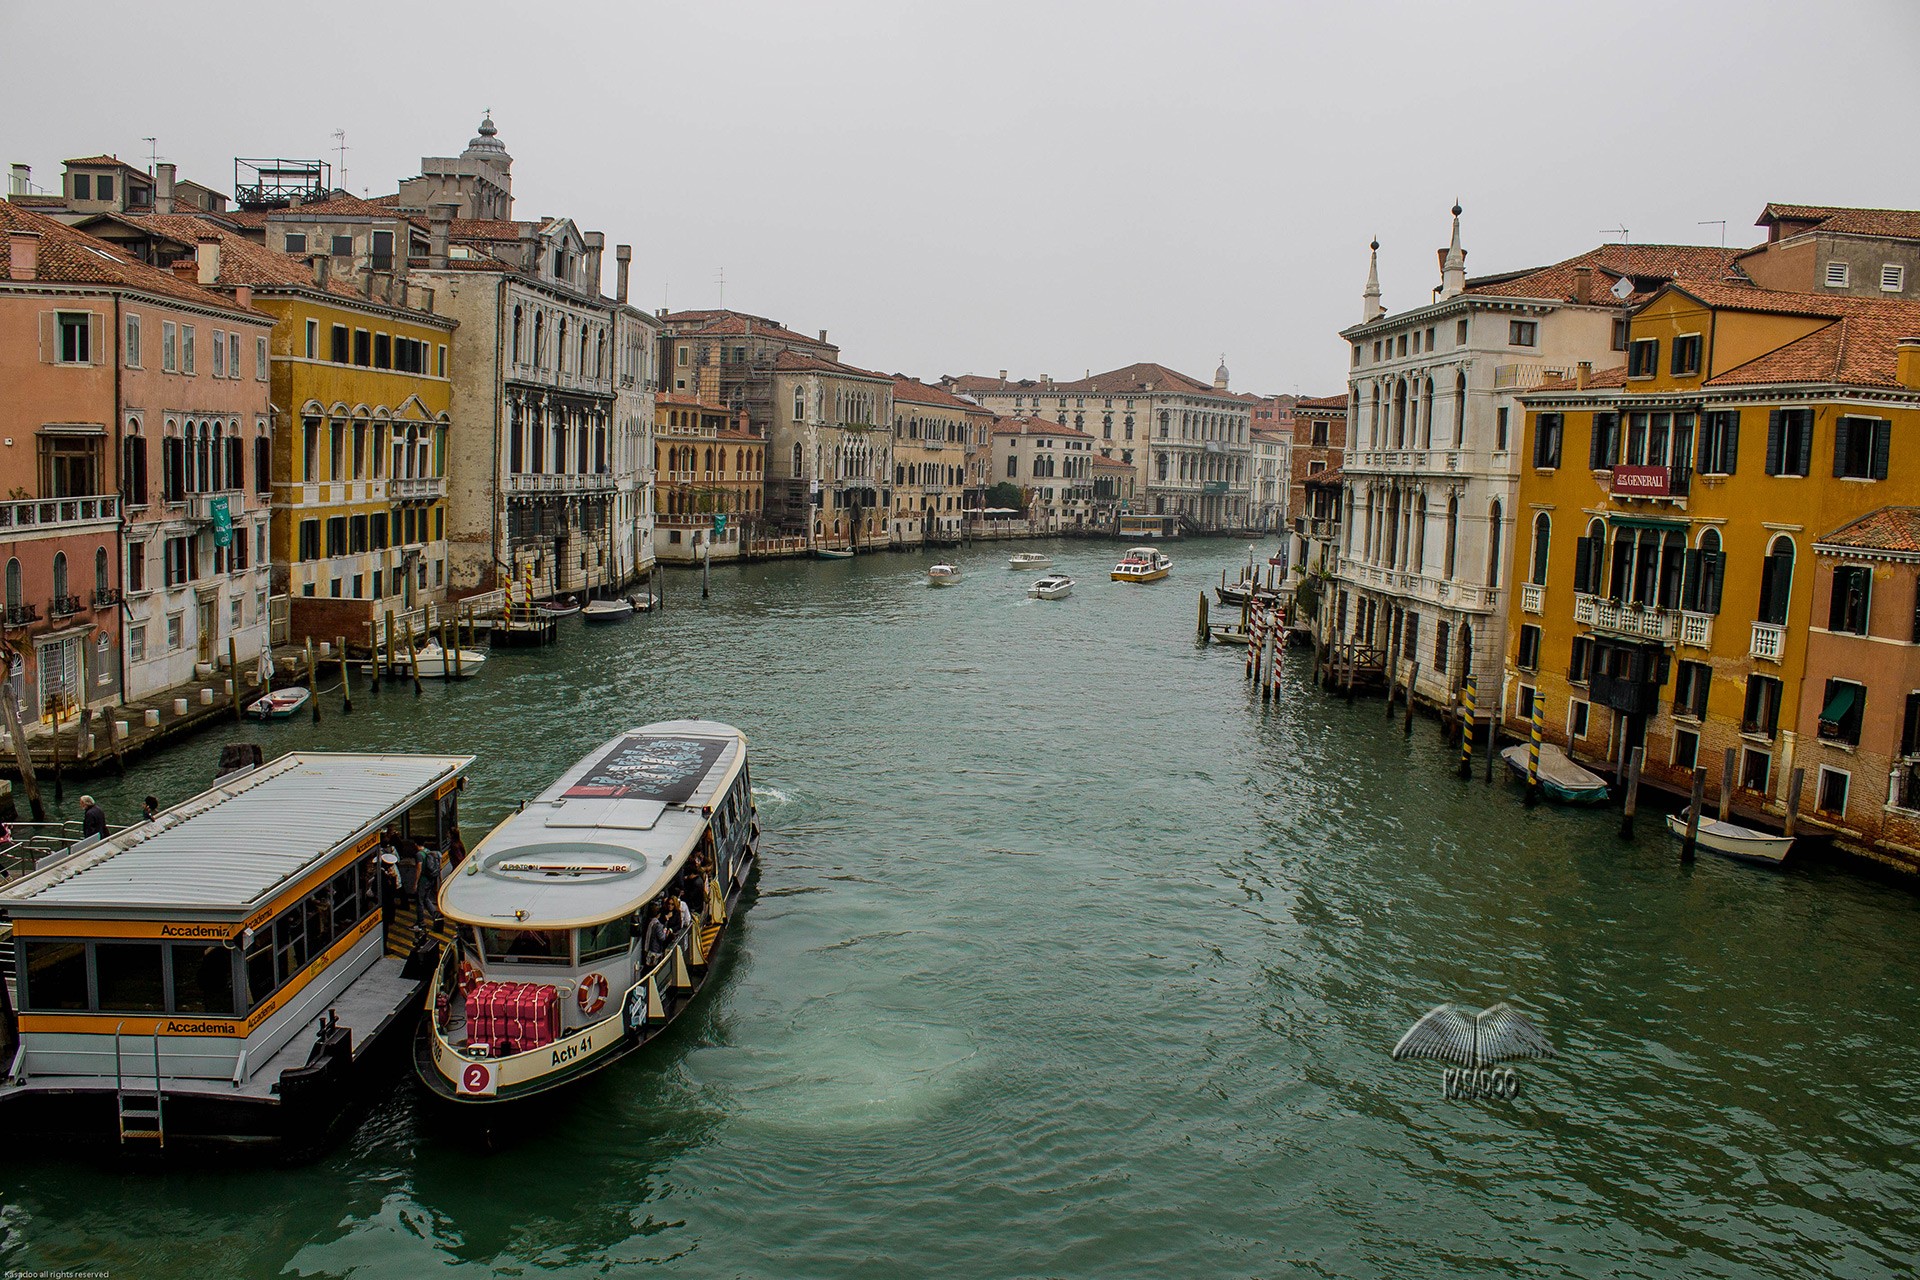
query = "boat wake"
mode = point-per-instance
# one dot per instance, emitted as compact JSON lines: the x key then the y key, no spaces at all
{"x":764,"y":795}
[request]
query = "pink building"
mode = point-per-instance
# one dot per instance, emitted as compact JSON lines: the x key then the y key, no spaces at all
{"x":125,"y":385}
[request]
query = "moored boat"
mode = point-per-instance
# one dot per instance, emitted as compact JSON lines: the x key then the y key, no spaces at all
{"x":607,"y":611}
{"x":558,"y":608}
{"x":223,"y":973}
{"x":1029,"y":560}
{"x":573,"y":950}
{"x":943,"y":575}
{"x":1055,"y":586}
{"x":435,"y":663}
{"x":831,"y":553}
{"x":1143,"y":564}
{"x":1731,"y":840}
{"x":1560,"y":778}
{"x":278,"y":705}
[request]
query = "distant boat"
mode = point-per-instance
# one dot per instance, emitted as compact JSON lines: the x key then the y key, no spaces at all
{"x":607,"y":611}
{"x":1560,"y":777}
{"x":1055,"y":586}
{"x":1143,"y":564}
{"x":1030,"y":560}
{"x":557,"y":608}
{"x":828,"y":553}
{"x":435,"y":663}
{"x":1731,"y":840}
{"x":943,"y":575}
{"x":278,"y":705}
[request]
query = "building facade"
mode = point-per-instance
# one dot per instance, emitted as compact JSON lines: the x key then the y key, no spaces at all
{"x":1053,"y":465}
{"x":1319,"y":428}
{"x":830,"y":463}
{"x":705,"y":465}
{"x":931,"y":430}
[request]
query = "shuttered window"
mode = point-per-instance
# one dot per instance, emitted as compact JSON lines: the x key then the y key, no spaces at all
{"x":1860,"y":447}
{"x":1546,"y":440}
{"x":1851,"y":598}
{"x":1603,"y":448}
{"x":1789,"y":442}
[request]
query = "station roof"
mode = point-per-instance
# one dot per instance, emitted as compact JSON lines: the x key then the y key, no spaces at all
{"x":230,"y":848}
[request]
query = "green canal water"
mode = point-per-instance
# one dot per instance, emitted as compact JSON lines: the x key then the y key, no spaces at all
{"x":1069,"y":960}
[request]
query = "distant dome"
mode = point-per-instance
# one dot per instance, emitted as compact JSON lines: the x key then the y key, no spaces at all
{"x":486,"y":143}
{"x":1220,"y":374}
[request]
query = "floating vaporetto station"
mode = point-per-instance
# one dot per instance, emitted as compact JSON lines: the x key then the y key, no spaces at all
{"x":221,"y":973}
{"x":557,"y":972}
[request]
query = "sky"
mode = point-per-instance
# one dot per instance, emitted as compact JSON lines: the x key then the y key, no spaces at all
{"x":1041,"y":186}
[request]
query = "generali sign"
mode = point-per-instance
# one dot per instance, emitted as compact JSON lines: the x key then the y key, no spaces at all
{"x":1641,"y":482}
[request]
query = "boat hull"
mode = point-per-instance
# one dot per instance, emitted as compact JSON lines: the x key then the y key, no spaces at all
{"x":620,"y":611}
{"x":278,"y":706}
{"x":1581,"y":787}
{"x":822,"y":553}
{"x":590,"y":1049}
{"x":1146,"y":575}
{"x":1729,"y":840}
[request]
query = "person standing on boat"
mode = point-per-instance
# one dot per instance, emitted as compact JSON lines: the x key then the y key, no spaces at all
{"x":93,"y":819}
{"x":149,"y":809}
{"x":456,"y":849}
{"x":426,"y":886}
{"x":658,"y":934}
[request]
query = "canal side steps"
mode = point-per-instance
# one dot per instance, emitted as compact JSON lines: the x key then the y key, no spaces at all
{"x":141,"y":1109}
{"x":405,"y":932}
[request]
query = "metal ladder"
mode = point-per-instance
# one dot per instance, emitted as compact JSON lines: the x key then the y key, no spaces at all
{"x":140,"y":1109}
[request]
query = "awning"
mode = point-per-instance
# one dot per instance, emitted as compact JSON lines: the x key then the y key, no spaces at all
{"x":73,"y":429}
{"x":1644,"y":522}
{"x":1840,"y":703}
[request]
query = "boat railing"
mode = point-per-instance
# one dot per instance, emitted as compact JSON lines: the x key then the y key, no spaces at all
{"x":26,"y":846}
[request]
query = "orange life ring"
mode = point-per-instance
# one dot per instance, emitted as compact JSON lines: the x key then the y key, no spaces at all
{"x":592,"y":995}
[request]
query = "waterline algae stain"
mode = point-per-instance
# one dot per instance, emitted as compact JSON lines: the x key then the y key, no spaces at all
{"x":1070,"y":959}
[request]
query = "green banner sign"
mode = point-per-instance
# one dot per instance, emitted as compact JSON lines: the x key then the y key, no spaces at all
{"x":720,"y":524}
{"x":222,"y":523}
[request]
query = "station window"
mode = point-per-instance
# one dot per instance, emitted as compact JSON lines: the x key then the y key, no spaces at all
{"x":56,"y":975}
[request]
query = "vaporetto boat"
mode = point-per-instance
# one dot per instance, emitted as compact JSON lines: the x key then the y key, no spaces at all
{"x":557,"y":973}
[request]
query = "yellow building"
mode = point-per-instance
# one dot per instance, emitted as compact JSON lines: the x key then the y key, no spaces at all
{"x":1668,"y":513}
{"x":706,"y":463}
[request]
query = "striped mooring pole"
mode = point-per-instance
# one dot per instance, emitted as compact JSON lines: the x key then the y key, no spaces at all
{"x":1468,"y":691}
{"x":1533,"y":750}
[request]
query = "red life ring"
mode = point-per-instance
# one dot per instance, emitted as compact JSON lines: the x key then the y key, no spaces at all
{"x":592,"y":996}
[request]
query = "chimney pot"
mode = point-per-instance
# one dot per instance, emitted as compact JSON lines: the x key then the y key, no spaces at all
{"x":1583,"y":285}
{"x":622,"y":268}
{"x":1003,"y":375}
{"x":440,"y":232}
{"x":23,"y":255}
{"x":1581,"y":373}
{"x":243,"y":295}
{"x":207,"y":256}
{"x":322,"y":265}
{"x":21,"y":180}
{"x":163,"y":187}
{"x":1908,"y":363}
{"x":823,"y":335}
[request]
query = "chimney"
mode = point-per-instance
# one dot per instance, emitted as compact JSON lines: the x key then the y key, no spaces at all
{"x":823,"y":335}
{"x":163,"y":187}
{"x":243,"y":295}
{"x":23,"y":254}
{"x":322,"y":265}
{"x":1908,"y":363}
{"x":20,"y":181}
{"x":1583,"y":371}
{"x":1583,"y":284}
{"x":1003,"y":375}
{"x":207,"y":254}
{"x":622,"y":267}
{"x":440,"y":231}
{"x":596,"y":248}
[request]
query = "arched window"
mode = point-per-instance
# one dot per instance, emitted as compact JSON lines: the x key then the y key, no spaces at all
{"x":709,"y":459}
{"x":1400,"y":414}
{"x":796,"y":461}
{"x":1493,"y":548}
{"x":1453,"y":532}
{"x":539,"y":339}
{"x":1776,"y":581}
{"x":1459,"y":409}
{"x":14,"y":589}
{"x":101,"y":580}
{"x":517,"y":317}
{"x":1705,"y":574}
{"x":1426,"y":421}
{"x":560,"y":347}
{"x":59,"y":575}
{"x":1542,"y":534}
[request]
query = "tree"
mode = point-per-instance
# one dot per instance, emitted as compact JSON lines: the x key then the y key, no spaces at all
{"x":1006,"y":495}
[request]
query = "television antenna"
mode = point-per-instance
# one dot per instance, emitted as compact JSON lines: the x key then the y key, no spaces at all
{"x":720,"y":279}
{"x":1716,"y":222}
{"x":1622,"y":232}
{"x":340,"y":145}
{"x":153,"y":154}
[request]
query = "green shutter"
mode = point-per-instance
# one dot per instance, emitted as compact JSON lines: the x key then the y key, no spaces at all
{"x":1690,"y":581}
{"x":1729,"y":441}
{"x":1842,"y":429}
{"x":1882,"y":445}
{"x":1806,"y":443}
{"x":1773,"y":442}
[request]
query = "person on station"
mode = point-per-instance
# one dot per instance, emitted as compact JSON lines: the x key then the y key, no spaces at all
{"x":93,"y":819}
{"x":149,"y":809}
{"x":426,"y":887}
{"x":456,"y":849}
{"x":658,"y":934}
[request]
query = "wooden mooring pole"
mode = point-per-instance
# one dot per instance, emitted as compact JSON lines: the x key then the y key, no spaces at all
{"x":1203,"y":635}
{"x":313,"y":693}
{"x":1468,"y":692}
{"x":1693,"y":814}
{"x":346,"y":683}
{"x":233,"y":670}
{"x":10,"y":710}
{"x":1795,"y":781}
{"x":1726,"y":784}
{"x":1413,"y":682}
{"x":413,"y":658}
{"x":1630,"y":799}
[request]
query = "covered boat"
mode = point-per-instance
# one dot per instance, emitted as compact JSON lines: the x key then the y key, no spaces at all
{"x":1731,"y":840}
{"x":607,"y":611}
{"x":943,"y":575}
{"x":1143,"y":564}
{"x":1055,"y":586}
{"x":1029,"y":560}
{"x":1560,"y":778}
{"x":435,"y":663}
{"x":573,"y":947}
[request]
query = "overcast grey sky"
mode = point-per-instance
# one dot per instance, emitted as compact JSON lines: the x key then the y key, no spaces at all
{"x":1035,"y":185}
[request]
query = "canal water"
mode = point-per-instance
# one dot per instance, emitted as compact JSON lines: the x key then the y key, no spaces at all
{"x":1068,"y":959}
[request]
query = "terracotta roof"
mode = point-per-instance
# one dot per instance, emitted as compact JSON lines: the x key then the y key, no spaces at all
{"x":1032,"y":426}
{"x":103,"y":161}
{"x":735,"y":433}
{"x":1101,"y":460}
{"x":730,"y":325}
{"x":979,"y":382}
{"x":339,"y":205}
{"x":1895,"y":529}
{"x":486,"y":228}
{"x":1860,"y":345}
{"x":1321,"y":402}
{"x":1899,"y":224}
{"x":688,"y":402}
{"x":1135,"y":379}
{"x":913,"y":392}
{"x":805,"y":362}
{"x":1331,"y":476}
{"x":247,"y":217}
{"x":69,"y":256}
{"x":1645,"y":266}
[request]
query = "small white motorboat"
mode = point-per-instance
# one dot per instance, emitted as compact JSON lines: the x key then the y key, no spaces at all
{"x":557,"y":608}
{"x":278,"y":705}
{"x":431,"y":662}
{"x":607,"y":611}
{"x":1731,"y":840}
{"x":1030,"y":560}
{"x":943,"y":575}
{"x":1055,"y":586}
{"x":831,"y":553}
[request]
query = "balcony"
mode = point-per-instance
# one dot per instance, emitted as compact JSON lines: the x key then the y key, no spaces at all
{"x":1645,"y":622}
{"x":62,"y":607}
{"x":1532,"y":596}
{"x":572,"y":483}
{"x":200,"y":505}
{"x":1696,"y":629}
{"x":1769,"y":641}
{"x":54,"y":513}
{"x":417,"y":488}
{"x":22,"y":615}
{"x":106,"y":597}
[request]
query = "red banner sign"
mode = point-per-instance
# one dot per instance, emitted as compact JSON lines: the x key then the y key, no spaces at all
{"x":1642,"y":482}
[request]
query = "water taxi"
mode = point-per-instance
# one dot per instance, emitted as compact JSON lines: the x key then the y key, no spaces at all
{"x":1055,"y":586}
{"x":1143,"y":564}
{"x":567,"y":958}
{"x":224,"y":974}
{"x":943,"y":575}
{"x":617,"y":610}
{"x":1030,"y":560}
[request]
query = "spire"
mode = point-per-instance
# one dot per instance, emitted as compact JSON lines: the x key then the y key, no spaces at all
{"x":1371,"y":308}
{"x":1453,"y":267}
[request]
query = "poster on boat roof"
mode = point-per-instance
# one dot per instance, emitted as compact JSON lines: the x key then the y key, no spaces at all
{"x":648,"y":767}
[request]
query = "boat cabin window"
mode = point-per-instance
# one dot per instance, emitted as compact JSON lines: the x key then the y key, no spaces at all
{"x":429,"y":820}
{"x":599,"y":941}
{"x":56,"y":975}
{"x":128,"y":977}
{"x":202,"y":979}
{"x":527,"y":946}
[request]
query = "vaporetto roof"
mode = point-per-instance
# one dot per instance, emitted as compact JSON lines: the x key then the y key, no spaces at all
{"x":230,"y":848}
{"x":605,"y":838}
